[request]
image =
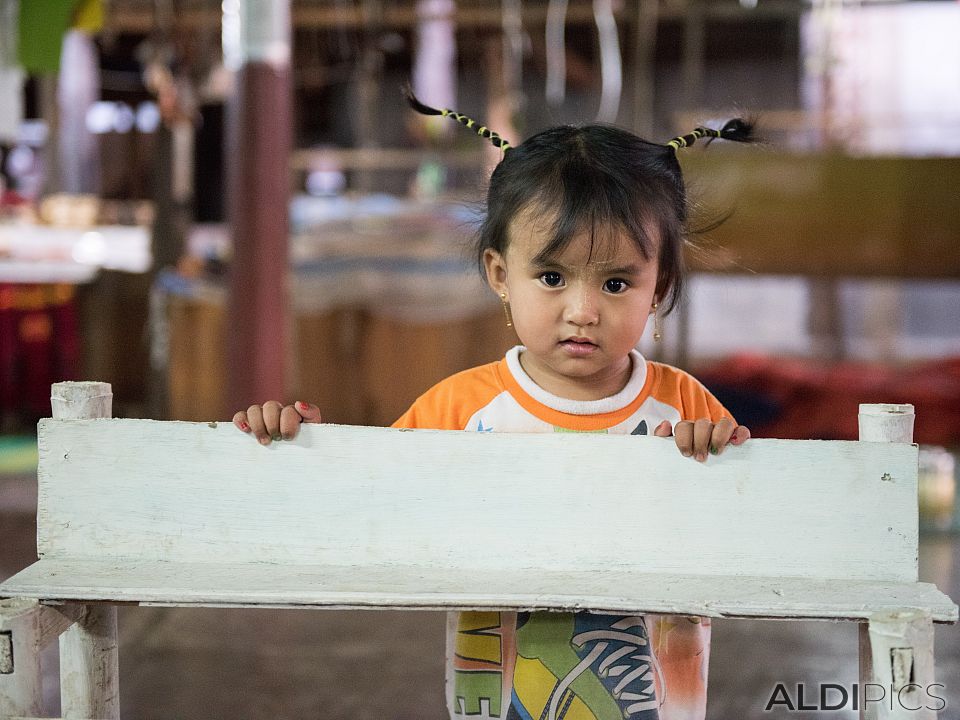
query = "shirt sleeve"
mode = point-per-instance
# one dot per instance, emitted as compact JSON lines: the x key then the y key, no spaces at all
{"x":687,"y":394}
{"x":449,"y":404}
{"x":434,"y":410}
{"x":701,"y":403}
{"x":411,"y":418}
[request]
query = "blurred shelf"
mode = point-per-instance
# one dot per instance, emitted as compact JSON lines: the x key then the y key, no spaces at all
{"x":45,"y":254}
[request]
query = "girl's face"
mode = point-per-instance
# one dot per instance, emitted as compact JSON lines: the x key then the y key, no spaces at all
{"x":580,"y":313}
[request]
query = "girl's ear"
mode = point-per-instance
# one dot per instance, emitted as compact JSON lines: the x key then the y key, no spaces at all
{"x":495,"y":267}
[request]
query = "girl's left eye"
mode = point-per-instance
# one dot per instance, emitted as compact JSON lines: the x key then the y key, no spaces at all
{"x":615,"y":285}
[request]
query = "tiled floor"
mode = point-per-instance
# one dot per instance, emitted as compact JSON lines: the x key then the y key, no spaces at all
{"x":280,"y":664}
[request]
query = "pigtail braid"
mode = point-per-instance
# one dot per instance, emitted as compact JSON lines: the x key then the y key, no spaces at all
{"x":480,"y":130}
{"x":736,"y":130}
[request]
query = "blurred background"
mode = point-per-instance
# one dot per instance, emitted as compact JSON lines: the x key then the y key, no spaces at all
{"x":209,"y":204}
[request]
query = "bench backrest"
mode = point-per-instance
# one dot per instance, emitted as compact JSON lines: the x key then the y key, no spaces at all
{"x":193,"y":492}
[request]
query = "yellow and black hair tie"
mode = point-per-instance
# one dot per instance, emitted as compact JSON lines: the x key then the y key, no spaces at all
{"x":482,"y":130}
{"x":682,"y":141}
{"x":736,"y":130}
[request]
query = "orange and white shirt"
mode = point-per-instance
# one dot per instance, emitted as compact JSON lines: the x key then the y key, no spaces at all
{"x":570,"y":666}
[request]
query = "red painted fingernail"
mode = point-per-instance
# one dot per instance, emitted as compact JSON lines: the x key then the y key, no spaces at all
{"x":303,"y":406}
{"x":244,"y":426}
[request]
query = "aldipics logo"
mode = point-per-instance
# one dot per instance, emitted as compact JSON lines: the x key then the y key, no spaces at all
{"x":834,"y":696}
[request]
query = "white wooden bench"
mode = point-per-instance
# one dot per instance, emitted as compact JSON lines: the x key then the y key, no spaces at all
{"x":195,"y":514}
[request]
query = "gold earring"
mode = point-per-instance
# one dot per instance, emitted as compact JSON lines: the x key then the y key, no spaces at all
{"x":657,"y":334}
{"x":506,"y":310}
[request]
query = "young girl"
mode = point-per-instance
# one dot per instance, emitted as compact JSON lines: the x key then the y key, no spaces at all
{"x":582,"y":242}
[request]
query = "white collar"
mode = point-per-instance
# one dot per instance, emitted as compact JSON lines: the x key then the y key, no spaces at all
{"x":638,"y":376}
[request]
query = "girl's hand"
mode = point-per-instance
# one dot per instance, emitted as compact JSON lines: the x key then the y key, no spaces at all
{"x":273,"y":421}
{"x":698,"y":438}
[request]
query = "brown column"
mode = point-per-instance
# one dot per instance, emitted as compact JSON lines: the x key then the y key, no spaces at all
{"x":259,"y":136}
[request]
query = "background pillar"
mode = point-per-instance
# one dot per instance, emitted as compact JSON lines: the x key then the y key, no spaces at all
{"x":256,"y":42}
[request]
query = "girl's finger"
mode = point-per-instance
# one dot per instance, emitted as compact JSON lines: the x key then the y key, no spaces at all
{"x":257,"y":427}
{"x":289,"y":422}
{"x":271,"y":418}
{"x":240,"y":420}
{"x":664,"y":429}
{"x":722,"y":432}
{"x":702,"y":432}
{"x":683,"y":434}
{"x":740,"y":435}
{"x":309,"y":413}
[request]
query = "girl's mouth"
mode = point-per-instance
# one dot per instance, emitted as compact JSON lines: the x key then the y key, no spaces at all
{"x":578,"y":348}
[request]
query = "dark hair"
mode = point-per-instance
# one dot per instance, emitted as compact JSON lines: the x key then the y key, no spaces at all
{"x":592,"y":178}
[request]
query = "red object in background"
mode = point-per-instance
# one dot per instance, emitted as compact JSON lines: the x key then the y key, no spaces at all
{"x":809,"y":399}
{"x":39,"y":345}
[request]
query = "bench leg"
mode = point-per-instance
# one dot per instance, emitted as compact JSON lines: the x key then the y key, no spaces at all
{"x":896,"y":668}
{"x":89,"y":669}
{"x":20,"y":690}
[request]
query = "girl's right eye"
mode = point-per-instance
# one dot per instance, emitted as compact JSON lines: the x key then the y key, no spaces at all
{"x":552,"y":279}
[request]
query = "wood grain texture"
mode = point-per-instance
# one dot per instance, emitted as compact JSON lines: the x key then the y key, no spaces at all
{"x":886,"y":422}
{"x":89,"y":666}
{"x":46,"y":622}
{"x":81,"y":400}
{"x":54,"y":621}
{"x":340,"y":495}
{"x":174,"y":513}
{"x":440,"y":588}
{"x":865,"y":660}
{"x":901,"y":662}
{"x":20,"y":687}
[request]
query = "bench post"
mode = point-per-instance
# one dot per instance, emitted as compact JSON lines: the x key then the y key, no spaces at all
{"x":25,"y":625}
{"x":896,"y":648}
{"x":20,"y":690}
{"x":89,"y":666}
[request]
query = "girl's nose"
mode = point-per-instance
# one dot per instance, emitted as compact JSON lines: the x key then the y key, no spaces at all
{"x":582,"y":307}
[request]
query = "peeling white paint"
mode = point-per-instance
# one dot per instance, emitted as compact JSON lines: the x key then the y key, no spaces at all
{"x":169,"y":512}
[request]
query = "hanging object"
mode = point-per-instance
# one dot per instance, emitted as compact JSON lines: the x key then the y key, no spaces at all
{"x":512,"y":22}
{"x":611,"y":64}
{"x":9,"y":32}
{"x":78,"y":88}
{"x":435,"y":58}
{"x":644,"y":60}
{"x":42,"y":27}
{"x":556,"y":51}
{"x":89,"y":16}
{"x":11,"y":75}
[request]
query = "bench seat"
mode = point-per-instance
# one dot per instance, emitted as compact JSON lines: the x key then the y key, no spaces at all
{"x":330,"y":586}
